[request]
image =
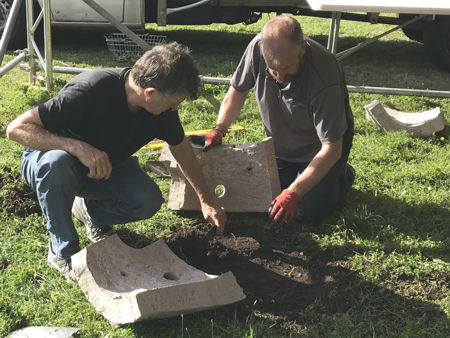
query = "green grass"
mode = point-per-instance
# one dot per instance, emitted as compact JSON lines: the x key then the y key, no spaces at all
{"x":393,"y":233}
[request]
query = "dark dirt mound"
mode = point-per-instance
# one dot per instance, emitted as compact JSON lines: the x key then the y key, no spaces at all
{"x":3,"y":263}
{"x":278,"y":278}
{"x":284,"y":272}
{"x":16,"y":197}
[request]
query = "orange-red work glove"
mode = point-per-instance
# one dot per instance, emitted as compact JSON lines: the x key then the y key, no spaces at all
{"x":282,"y":208}
{"x":207,"y":140}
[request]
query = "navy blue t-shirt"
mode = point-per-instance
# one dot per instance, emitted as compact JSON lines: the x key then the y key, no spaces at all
{"x":92,"y":107}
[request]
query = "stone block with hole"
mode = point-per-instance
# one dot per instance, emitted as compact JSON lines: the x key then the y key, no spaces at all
{"x":244,"y":178}
{"x":127,"y":285}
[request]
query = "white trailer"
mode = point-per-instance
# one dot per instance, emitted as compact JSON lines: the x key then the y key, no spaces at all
{"x":432,"y":28}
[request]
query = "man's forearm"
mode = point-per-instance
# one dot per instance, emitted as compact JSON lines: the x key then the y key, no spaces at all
{"x":231,"y":106}
{"x":317,"y":169}
{"x":27,"y":129}
{"x":191,"y":170}
{"x":36,"y":137}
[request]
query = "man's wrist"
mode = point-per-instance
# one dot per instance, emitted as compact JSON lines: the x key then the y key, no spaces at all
{"x":221,"y":128}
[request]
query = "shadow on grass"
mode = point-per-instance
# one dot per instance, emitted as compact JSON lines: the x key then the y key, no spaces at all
{"x":369,"y":216}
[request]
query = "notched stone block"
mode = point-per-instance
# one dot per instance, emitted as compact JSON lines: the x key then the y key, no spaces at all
{"x":245,"y":178}
{"x":418,"y":124}
{"x":127,"y":285}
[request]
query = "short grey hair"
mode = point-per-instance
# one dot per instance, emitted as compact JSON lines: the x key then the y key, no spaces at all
{"x":284,"y":26}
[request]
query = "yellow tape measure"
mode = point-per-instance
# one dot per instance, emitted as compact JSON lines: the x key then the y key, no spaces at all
{"x":158,"y":144}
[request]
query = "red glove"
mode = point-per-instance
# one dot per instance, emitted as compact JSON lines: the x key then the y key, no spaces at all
{"x":282,"y":208}
{"x":213,"y":138}
{"x":208,"y":140}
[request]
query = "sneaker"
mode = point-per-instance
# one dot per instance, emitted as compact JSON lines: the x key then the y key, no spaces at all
{"x":94,"y":233}
{"x":63,"y":265}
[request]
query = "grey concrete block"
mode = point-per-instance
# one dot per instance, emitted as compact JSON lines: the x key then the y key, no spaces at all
{"x":246,"y":174}
{"x":45,"y":332}
{"x":419,"y":124}
{"x":127,"y":285}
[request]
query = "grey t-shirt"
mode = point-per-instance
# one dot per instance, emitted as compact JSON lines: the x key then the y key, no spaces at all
{"x":312,"y":110}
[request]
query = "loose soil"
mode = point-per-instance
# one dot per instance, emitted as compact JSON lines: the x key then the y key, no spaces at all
{"x":16,"y":197}
{"x":3,"y":264}
{"x":283,"y":272}
{"x":279,"y":278}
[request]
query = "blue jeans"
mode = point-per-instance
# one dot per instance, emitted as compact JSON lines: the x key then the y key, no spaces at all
{"x":325,"y":197}
{"x":128,"y":195}
{"x":328,"y":194}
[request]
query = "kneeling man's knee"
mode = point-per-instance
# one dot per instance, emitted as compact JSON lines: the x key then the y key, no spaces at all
{"x":149,"y":205}
{"x":58,"y":163}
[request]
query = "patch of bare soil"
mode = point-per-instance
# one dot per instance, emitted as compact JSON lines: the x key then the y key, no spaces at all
{"x":16,"y":197}
{"x":3,"y":263}
{"x":278,"y":277}
{"x":284,"y":272}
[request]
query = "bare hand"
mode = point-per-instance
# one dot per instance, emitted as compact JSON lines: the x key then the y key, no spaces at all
{"x":96,"y":160}
{"x":215,"y":215}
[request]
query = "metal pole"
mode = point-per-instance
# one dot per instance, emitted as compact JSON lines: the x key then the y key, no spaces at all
{"x":331,"y":31}
{"x":337,"y":23}
{"x":56,"y":69}
{"x":48,"y":45}
{"x":183,"y":8}
{"x":356,"y":89}
{"x":120,"y":26}
{"x":162,"y":12}
{"x":367,"y":42}
{"x":11,"y":64}
{"x":399,"y":91}
{"x":10,"y":22}
{"x":30,"y":38}
{"x":333,"y":34}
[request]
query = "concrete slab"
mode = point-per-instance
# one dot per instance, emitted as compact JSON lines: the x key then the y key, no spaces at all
{"x":419,"y":124}
{"x":45,"y":332}
{"x":244,"y":177}
{"x":127,"y":285}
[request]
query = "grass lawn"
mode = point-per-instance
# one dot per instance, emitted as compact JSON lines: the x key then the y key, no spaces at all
{"x":378,"y":267}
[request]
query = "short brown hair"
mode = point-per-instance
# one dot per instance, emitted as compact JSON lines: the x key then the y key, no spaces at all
{"x":169,"y":68}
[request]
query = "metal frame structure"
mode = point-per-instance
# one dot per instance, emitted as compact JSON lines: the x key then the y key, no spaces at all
{"x":6,"y":37}
{"x":46,"y":63}
{"x":333,"y":35}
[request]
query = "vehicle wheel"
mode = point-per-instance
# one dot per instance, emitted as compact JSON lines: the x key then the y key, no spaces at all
{"x":413,"y":34}
{"x":413,"y":31}
{"x":18,"y":37}
{"x":436,"y":39}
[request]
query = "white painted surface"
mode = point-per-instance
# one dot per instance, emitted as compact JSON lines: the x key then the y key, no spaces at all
{"x":383,"y":6}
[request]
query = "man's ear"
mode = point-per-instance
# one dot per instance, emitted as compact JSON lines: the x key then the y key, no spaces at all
{"x":150,"y":92}
{"x":302,"y":52}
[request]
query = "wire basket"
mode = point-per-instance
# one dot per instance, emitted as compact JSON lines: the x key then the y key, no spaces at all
{"x":124,"y":49}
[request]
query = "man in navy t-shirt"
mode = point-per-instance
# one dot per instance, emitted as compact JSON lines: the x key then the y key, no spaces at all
{"x":79,"y":146}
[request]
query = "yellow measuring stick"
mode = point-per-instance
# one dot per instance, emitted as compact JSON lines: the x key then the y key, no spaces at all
{"x":158,"y":144}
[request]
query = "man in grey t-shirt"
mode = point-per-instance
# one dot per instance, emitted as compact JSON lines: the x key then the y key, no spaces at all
{"x":303,"y":101}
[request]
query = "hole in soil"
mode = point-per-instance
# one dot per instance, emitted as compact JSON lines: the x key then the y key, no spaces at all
{"x":170,"y":276}
{"x":220,"y":190}
{"x":123,"y":273}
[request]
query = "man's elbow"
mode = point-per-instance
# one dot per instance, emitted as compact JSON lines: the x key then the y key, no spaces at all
{"x":334,"y":151}
{"x":338,"y":153}
{"x":10,"y":131}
